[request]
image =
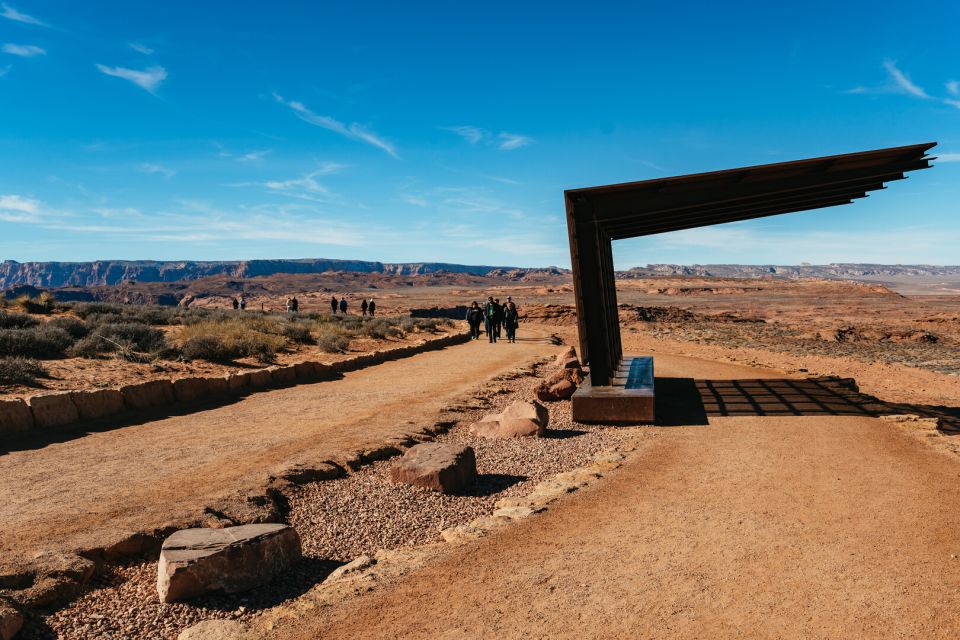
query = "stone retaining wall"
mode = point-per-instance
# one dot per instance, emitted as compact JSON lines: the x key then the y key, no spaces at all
{"x":49,"y":412}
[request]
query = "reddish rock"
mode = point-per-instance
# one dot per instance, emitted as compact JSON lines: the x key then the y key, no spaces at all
{"x":217,"y":385}
{"x":284,"y":375}
{"x":190,"y":389}
{"x":11,"y":620}
{"x":533,"y":411}
{"x":98,"y":403}
{"x":260,"y":379}
{"x":195,"y":562}
{"x":148,"y":395}
{"x":564,"y":356}
{"x":238,"y":381}
{"x":53,"y":409}
{"x":15,"y":417}
{"x":560,"y":386}
{"x":447,"y":468}
{"x":306,"y":371}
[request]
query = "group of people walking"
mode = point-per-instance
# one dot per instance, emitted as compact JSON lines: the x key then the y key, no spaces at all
{"x":495,"y":317}
{"x":367,"y":307}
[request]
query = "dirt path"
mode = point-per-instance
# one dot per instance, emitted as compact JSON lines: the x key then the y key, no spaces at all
{"x":84,"y":491}
{"x":772,"y":527}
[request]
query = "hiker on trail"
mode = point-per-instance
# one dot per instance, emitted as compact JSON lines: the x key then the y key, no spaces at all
{"x":489,"y":312}
{"x":343,"y":306}
{"x":235,"y":303}
{"x":497,"y":317}
{"x":363,"y":307}
{"x":333,"y":305}
{"x":474,"y":318}
{"x":511,"y":320}
{"x":372,"y":307}
{"x":294,"y":304}
{"x":289,"y":305}
{"x":243,"y":302}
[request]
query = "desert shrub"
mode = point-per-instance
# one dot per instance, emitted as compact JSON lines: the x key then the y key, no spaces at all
{"x":120,"y":337}
{"x":380,"y":328}
{"x":87,"y":309}
{"x":228,"y":340}
{"x":17,"y":321}
{"x":34,"y":342}
{"x":408,"y":325}
{"x":333,"y":343}
{"x":76,"y":328}
{"x":18,"y":370}
{"x":298,"y":333}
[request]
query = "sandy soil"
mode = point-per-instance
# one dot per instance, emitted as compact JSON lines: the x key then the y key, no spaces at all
{"x":81,"y":492}
{"x":807,"y":526}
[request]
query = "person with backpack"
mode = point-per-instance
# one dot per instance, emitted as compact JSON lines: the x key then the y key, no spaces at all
{"x":474,"y":318}
{"x":235,"y":303}
{"x":343,"y":306}
{"x":372,"y":307}
{"x":294,"y":305}
{"x":497,"y":317}
{"x":363,"y":307}
{"x":333,"y":305}
{"x":489,"y":315}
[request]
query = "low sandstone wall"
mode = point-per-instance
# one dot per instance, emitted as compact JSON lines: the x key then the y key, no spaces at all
{"x":50,"y":412}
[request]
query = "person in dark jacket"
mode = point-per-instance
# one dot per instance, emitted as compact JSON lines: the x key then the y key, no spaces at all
{"x":474,"y":318}
{"x":343,"y":306}
{"x":489,"y":316}
{"x":333,"y":305}
{"x":363,"y":307}
{"x":510,"y":320}
{"x":372,"y":307}
{"x":497,"y":317}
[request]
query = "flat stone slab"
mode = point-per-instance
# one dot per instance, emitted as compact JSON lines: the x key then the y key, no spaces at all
{"x":519,"y":420}
{"x":194,"y":562}
{"x":447,"y":468}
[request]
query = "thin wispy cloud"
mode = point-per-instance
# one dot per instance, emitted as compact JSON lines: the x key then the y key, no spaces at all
{"x":305,"y":187}
{"x":510,"y":141}
{"x":948,"y":157}
{"x":902,"y":81}
{"x":953,"y":88}
{"x":157,"y":169}
{"x":353,"y":131}
{"x":141,"y":48}
{"x":473,"y":135}
{"x":14,"y":208}
{"x":504,"y":140}
{"x":148,"y":79}
{"x":416,"y":201}
{"x":5,"y":70}
{"x":24,"y":50}
{"x":10,"y":13}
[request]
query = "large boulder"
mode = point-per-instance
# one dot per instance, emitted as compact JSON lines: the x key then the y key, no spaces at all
{"x":194,"y":562}
{"x":519,"y":420}
{"x":15,"y":417}
{"x":98,"y":403}
{"x":53,"y":409}
{"x":447,"y":468}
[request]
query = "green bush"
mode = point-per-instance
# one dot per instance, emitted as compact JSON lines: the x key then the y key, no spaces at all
{"x":18,"y":370}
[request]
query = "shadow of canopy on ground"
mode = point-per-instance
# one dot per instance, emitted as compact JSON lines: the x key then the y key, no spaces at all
{"x":688,"y":401}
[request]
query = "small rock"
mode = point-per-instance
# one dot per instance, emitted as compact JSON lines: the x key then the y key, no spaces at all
{"x":517,"y":513}
{"x":447,"y":468}
{"x":11,"y":620}
{"x":351,"y":568}
{"x":217,"y":630}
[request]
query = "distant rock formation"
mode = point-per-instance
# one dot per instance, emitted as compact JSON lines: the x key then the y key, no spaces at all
{"x":804,"y":270}
{"x":112,"y":272}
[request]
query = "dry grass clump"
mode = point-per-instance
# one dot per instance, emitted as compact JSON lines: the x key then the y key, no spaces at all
{"x":130,"y":340}
{"x":18,"y":370}
{"x":237,"y":337}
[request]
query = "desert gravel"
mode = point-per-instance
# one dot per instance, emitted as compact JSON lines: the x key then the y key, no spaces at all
{"x":340,"y":519}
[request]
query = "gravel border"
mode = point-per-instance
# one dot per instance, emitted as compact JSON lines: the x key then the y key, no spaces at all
{"x":340,"y":519}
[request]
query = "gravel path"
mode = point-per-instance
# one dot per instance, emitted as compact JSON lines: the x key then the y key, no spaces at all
{"x":341,"y":519}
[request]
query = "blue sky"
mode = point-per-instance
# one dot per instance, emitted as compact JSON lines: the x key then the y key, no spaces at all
{"x":448,"y":131}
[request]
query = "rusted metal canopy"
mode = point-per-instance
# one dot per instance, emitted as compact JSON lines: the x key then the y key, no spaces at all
{"x":598,"y":215}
